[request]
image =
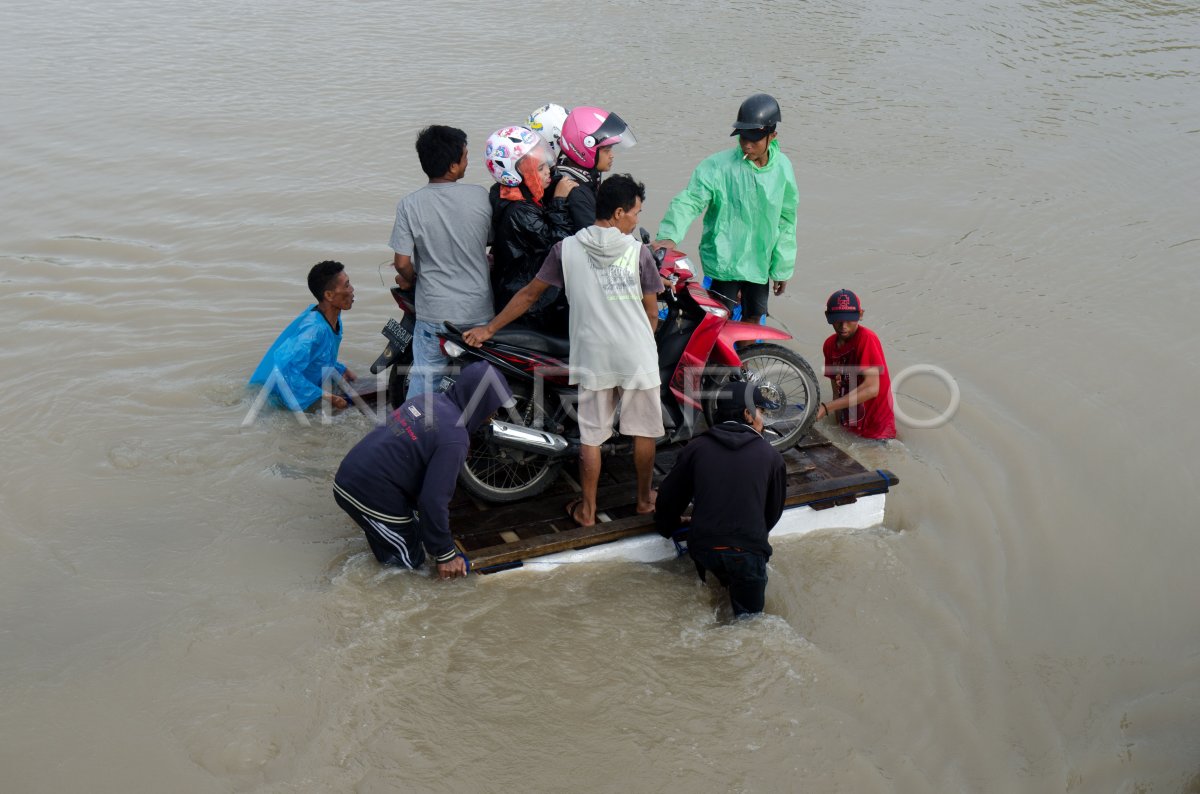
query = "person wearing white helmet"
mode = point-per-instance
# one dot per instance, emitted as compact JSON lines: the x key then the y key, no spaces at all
{"x":589,"y":136}
{"x":526,"y":221}
{"x":547,"y":121}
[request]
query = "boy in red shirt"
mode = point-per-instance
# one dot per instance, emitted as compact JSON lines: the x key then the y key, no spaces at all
{"x":854,"y":364}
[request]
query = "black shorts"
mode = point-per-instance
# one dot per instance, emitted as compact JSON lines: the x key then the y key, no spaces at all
{"x":743,"y":572}
{"x":392,"y":543}
{"x":753,"y":296}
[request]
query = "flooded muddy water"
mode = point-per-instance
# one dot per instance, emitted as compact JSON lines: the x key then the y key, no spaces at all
{"x":1010,"y":188}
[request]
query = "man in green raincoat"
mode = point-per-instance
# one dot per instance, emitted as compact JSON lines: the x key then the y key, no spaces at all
{"x":748,"y":197}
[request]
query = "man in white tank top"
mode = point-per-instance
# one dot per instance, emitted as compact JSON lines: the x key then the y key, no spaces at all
{"x":612,"y":285}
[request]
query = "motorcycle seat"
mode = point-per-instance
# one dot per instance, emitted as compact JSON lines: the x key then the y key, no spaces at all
{"x":556,"y":346}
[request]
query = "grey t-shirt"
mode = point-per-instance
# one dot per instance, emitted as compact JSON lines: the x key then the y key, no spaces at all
{"x":444,"y":228}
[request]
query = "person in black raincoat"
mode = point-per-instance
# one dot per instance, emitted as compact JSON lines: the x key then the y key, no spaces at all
{"x":526,"y":222}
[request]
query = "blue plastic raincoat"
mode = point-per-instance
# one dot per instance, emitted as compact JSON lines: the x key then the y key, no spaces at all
{"x":301,"y":355}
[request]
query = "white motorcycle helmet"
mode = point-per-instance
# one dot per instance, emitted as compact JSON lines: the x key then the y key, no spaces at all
{"x":508,"y":146}
{"x":548,"y":121}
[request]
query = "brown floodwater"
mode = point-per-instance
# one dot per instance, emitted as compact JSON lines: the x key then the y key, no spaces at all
{"x":1011,"y":188}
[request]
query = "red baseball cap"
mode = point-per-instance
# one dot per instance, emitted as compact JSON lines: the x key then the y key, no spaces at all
{"x":843,"y":306}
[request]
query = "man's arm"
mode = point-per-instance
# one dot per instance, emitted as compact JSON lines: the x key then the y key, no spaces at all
{"x":674,"y":494}
{"x":293,"y":358}
{"x":406,"y":274}
{"x":517,"y":306}
{"x":776,"y":493}
{"x":783,"y":258}
{"x":868,"y":389}
{"x":402,"y":240}
{"x":652,"y":284}
{"x":650,"y":304}
{"x":437,"y":489}
{"x":344,"y":371}
{"x":688,"y":205}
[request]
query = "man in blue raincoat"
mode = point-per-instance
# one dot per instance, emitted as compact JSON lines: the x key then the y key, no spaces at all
{"x":304,"y":356}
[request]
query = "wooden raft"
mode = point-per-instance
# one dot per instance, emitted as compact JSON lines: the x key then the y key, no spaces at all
{"x":493,"y":538}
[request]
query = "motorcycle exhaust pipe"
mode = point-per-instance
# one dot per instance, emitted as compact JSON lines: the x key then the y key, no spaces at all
{"x":529,"y":439}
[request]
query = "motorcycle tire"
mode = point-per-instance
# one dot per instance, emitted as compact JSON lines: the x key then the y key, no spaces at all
{"x":500,"y":475}
{"x":788,"y":379}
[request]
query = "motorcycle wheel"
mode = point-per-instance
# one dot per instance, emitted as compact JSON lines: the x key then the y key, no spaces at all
{"x":397,"y":386}
{"x":499,"y":475}
{"x":787,"y":378}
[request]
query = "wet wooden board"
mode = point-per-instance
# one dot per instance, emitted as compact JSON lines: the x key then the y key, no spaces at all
{"x":493,"y":537}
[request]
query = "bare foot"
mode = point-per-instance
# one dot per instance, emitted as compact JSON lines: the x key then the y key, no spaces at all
{"x":645,"y":508}
{"x":577,"y":515}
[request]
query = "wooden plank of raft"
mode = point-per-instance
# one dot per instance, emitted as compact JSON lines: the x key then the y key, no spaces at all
{"x":577,"y":538}
{"x":839,"y":487}
{"x":581,"y":537}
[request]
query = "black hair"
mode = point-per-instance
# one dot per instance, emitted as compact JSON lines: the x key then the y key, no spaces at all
{"x":619,"y":191}
{"x":321,"y":277}
{"x":439,"y":147}
{"x":730,"y":413}
{"x":733,"y":401}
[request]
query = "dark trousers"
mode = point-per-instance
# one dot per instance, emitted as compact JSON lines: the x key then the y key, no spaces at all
{"x":753,"y":296}
{"x":743,"y":572}
{"x":392,"y":544}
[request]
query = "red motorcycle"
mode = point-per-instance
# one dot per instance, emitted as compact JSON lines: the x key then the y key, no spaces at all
{"x":698,"y":351}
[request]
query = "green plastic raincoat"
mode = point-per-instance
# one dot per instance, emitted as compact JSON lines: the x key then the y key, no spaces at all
{"x":749,"y":216}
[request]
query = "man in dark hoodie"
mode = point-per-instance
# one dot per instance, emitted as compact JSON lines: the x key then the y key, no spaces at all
{"x":411,"y":464}
{"x":738,"y":482}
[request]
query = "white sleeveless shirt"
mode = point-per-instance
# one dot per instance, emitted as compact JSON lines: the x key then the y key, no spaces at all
{"x":611,"y":341}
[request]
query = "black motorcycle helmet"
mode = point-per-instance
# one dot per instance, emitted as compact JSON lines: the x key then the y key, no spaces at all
{"x":760,"y":111}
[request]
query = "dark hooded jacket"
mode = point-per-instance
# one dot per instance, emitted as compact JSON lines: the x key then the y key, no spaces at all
{"x":738,"y":483}
{"x":522,"y":234}
{"x":412,"y":462}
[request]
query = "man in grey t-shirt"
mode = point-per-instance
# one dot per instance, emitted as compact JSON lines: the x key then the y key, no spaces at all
{"x":440,"y":239}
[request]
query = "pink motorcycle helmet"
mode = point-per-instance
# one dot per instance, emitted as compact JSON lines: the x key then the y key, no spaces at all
{"x":587,"y":129}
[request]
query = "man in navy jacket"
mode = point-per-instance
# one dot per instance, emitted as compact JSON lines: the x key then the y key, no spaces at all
{"x":738,"y":483}
{"x":412,"y":463}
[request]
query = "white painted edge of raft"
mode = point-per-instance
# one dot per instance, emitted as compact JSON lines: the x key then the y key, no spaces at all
{"x":865,"y":513}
